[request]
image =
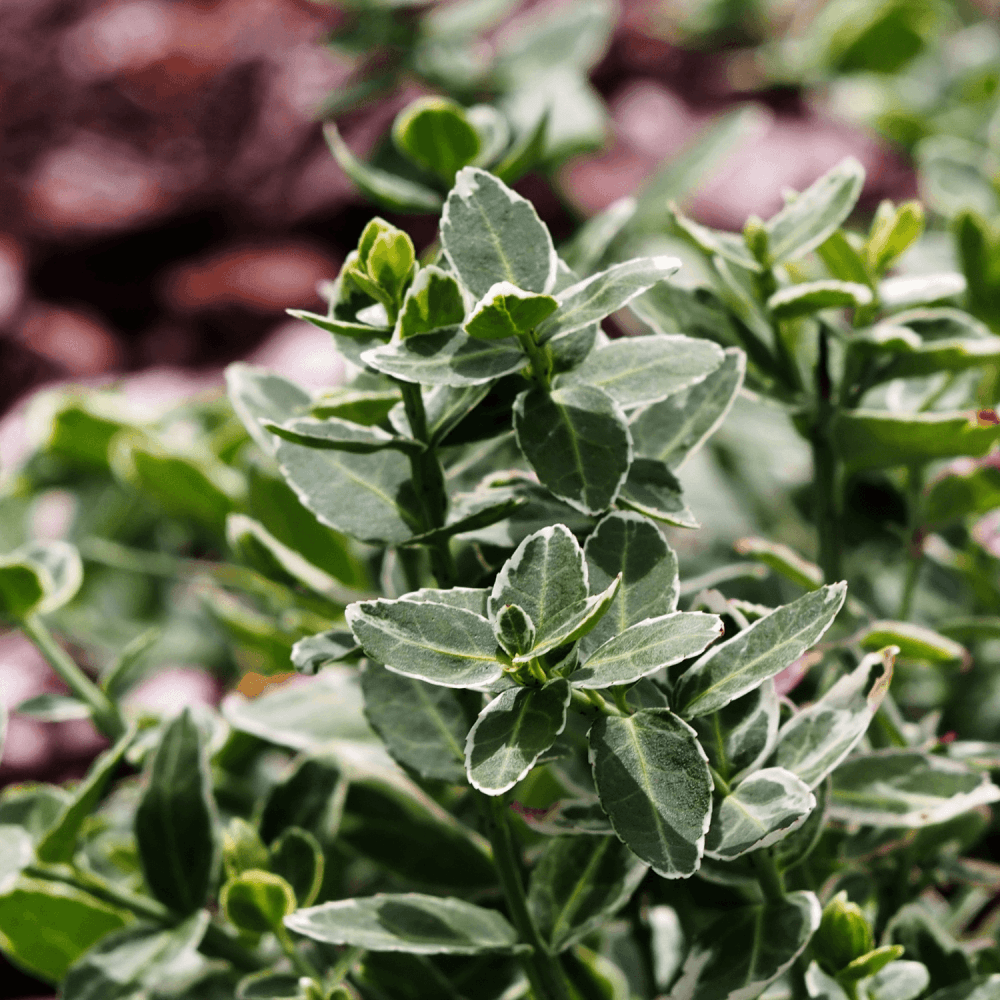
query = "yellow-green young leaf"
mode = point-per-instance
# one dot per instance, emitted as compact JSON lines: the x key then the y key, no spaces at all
{"x":242,"y":848}
{"x":646,"y":647}
{"x":844,"y":935}
{"x":576,"y":439}
{"x":813,"y":296}
{"x":783,"y":559}
{"x":869,"y":964}
{"x":512,"y":732}
{"x":175,"y":823}
{"x":490,"y":234}
{"x":842,"y":260}
{"x":257,"y":394}
{"x":652,"y":489}
{"x":257,"y":901}
{"x":919,"y":289}
{"x":739,"y":737}
{"x":410,"y":922}
{"x":873,"y":439}
{"x":79,"y":427}
{"x":422,"y":725}
{"x":22,"y":587}
{"x":893,"y":230}
{"x":915,"y":642}
{"x":389,"y":190}
{"x":738,"y":665}
{"x":813,"y":215}
{"x":714,"y":242}
{"x":906,"y":788}
{"x":507,"y":311}
{"x":675,"y":428}
{"x":653,"y":782}
{"x":431,"y":642}
{"x":818,"y":737}
{"x":744,"y":950}
{"x":450,"y":357}
{"x":433,"y":302}
{"x":46,"y":926}
{"x":436,"y":134}
{"x":578,"y":884}
{"x":764,"y":808}
{"x":636,"y":371}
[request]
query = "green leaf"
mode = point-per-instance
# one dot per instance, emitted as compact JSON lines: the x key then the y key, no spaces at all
{"x":450,"y":357}
{"x":981,"y":988}
{"x":175,"y":823}
{"x":33,"y":807}
{"x":576,"y":439}
{"x":915,"y":642}
{"x":636,"y":371}
{"x":309,"y":655}
{"x":578,"y":884}
{"x":871,"y":963}
{"x":138,"y":956}
{"x":334,"y":434}
{"x":361,"y":406}
{"x":744,"y":950}
{"x":926,"y":941}
{"x":628,"y":544}
{"x":269,"y":985}
{"x":764,"y":649}
{"x":433,"y":301}
{"x":571,"y":623}
{"x":59,"y":842}
{"x":389,"y":190}
{"x":591,"y":300}
{"x":591,"y":241}
{"x":961,"y":492}
{"x":436,"y":134}
{"x":45,"y":926}
{"x":738,"y":737}
{"x":22,"y":587}
{"x":892,"y":232}
{"x":806,"y":221}
{"x":919,"y":289}
{"x":304,"y":714}
{"x":763,"y":809}
{"x":812,"y":296}
{"x":242,"y":848}
{"x":906,"y":788}
{"x":257,"y":394}
{"x":653,"y":781}
{"x":16,"y":853}
{"x":842,"y":260}
{"x":351,"y":339}
{"x":514,"y":630}
{"x":526,"y":152}
{"x":875,"y":439}
{"x":646,"y":647}
{"x":423,"y":726}
{"x":675,"y":428}
{"x":298,"y":858}
{"x":512,"y":732}
{"x":901,"y":981}
{"x":421,"y":925}
{"x":63,"y":574}
{"x":308,"y":795}
{"x":472,"y":599}
{"x":783,"y":559}
{"x":729,"y":246}
{"x":653,"y":490}
{"x":257,"y":901}
{"x":490,"y":233}
{"x":366,"y":496}
{"x":431,"y":642}
{"x":507,"y":311}
{"x":817,"y":738}
{"x":447,"y":406}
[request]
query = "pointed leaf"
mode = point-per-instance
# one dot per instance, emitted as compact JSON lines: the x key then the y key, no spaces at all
{"x":647,"y":647}
{"x":906,"y":788}
{"x":257,"y":394}
{"x":298,"y":858}
{"x":629,"y":544}
{"x":807,"y":220}
{"x":919,"y":289}
{"x":591,"y":241}
{"x":424,"y":726}
{"x":410,"y":922}
{"x":763,"y":809}
{"x":636,"y":371}
{"x":673,"y":429}
{"x":817,"y":738}
{"x":450,"y":357}
{"x":652,"y":489}
{"x":365,"y":496}
{"x":386,"y":189}
{"x":361,"y":406}
{"x":714,"y":242}
{"x":507,"y":311}
{"x":764,"y":649}
{"x":432,"y":642}
{"x":490,"y":234}
{"x":812,"y":296}
{"x":436,"y":134}
{"x":594,"y":298}
{"x":316,"y":651}
{"x":472,"y":599}
{"x":512,"y":732}
{"x":51,"y":708}
{"x":447,"y":406}
{"x":175,"y":823}
{"x":578,"y":884}
{"x":577,"y":441}
{"x":573,"y":622}
{"x":514,"y":629}
{"x":738,"y":955}
{"x":334,"y":434}
{"x":653,"y":781}
{"x":783,"y":559}
{"x":914,"y":642}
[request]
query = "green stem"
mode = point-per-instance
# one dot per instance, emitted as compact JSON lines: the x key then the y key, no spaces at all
{"x":771,"y":882}
{"x":300,"y":963}
{"x":539,"y":358}
{"x":827,"y":486}
{"x":545,"y":974}
{"x":587,"y":701}
{"x":428,"y":482}
{"x":721,"y":785}
{"x":105,"y":713}
{"x":915,"y":553}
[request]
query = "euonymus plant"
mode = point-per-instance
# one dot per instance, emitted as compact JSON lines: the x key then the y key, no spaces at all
{"x":526,"y":758}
